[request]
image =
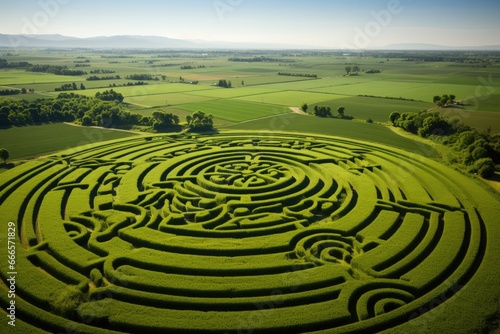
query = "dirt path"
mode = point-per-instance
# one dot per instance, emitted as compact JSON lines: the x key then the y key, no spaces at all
{"x":297,"y":110}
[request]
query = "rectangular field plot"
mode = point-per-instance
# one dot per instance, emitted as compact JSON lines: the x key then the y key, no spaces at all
{"x":18,"y":77}
{"x":150,"y":89}
{"x":228,"y":93}
{"x":378,"y":109}
{"x":235,"y":110}
{"x":409,"y":90}
{"x":291,"y":98}
{"x":32,"y":141}
{"x":166,"y":99}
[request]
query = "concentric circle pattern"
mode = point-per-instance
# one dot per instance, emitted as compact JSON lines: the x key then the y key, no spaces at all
{"x":237,"y":233}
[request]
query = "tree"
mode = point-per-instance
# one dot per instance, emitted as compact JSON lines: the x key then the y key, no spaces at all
{"x":394,"y":116}
{"x":200,"y":121}
{"x":82,"y":86}
{"x":304,"y":107}
{"x":436,"y":99}
{"x":164,"y":77}
{"x":87,"y":120}
{"x":322,"y":111}
{"x":73,"y":85}
{"x":4,"y":154}
{"x":340,"y":111}
{"x":355,"y":68}
{"x":348,"y":69}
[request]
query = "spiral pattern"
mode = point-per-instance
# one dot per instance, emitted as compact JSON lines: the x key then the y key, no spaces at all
{"x":239,"y":232}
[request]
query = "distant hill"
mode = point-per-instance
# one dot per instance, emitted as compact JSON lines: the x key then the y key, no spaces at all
{"x":435,"y":47}
{"x":157,"y":42}
{"x":142,"y":42}
{"x":128,"y":41}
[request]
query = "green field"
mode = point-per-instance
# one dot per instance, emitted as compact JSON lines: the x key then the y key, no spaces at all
{"x":260,"y":83}
{"x":206,"y":233}
{"x":235,"y":110}
{"x":337,"y":127}
{"x":32,"y":141}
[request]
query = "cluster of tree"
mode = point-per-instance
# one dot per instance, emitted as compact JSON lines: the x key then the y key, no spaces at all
{"x":474,"y":151}
{"x":110,"y":95}
{"x":189,"y":67}
{"x":372,"y":71}
{"x":305,"y":75}
{"x":108,"y":77}
{"x":138,"y":83}
{"x":101,"y":71}
{"x":350,"y":70}
{"x":200,"y":121}
{"x":22,"y":64}
{"x":68,"y":86}
{"x":224,"y":83}
{"x":82,"y":65}
{"x":81,"y":61}
{"x":54,"y":69}
{"x":67,"y":107}
{"x":260,"y":59}
{"x":10,"y":92}
{"x":141,"y":77}
{"x":162,"y":121}
{"x":444,"y":100}
{"x":325,"y":111}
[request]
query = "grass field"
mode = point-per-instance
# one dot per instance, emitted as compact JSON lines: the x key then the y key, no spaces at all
{"x":235,"y":110}
{"x":336,"y":127}
{"x":33,"y":141}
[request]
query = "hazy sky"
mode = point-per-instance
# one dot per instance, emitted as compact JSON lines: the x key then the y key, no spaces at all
{"x":320,"y":23}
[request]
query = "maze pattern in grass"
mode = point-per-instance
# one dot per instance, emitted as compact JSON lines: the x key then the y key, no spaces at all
{"x":236,"y":232}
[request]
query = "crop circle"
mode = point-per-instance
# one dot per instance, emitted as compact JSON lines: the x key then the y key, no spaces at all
{"x":239,"y":232}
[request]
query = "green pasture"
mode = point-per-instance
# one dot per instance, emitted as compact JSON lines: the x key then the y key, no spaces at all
{"x":335,"y":127}
{"x":166,"y":99}
{"x":21,"y":77}
{"x":377,"y":109}
{"x":235,"y":110}
{"x":291,"y":98}
{"x":33,"y":141}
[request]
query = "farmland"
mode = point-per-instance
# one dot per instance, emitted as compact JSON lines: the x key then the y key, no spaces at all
{"x":274,"y":222}
{"x":403,"y":84}
{"x":306,"y":233}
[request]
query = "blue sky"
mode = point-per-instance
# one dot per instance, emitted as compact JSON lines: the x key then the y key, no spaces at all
{"x":319,"y":23}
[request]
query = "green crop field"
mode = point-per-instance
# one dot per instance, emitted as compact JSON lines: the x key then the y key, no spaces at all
{"x":235,"y":110}
{"x":32,"y":141}
{"x":247,"y":231}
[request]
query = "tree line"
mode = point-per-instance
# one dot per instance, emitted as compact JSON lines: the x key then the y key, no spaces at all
{"x":107,"y":77}
{"x":473,"y":150}
{"x":141,"y":77}
{"x":54,"y":69}
{"x":305,"y":75}
{"x":104,"y":109}
{"x":260,"y":59}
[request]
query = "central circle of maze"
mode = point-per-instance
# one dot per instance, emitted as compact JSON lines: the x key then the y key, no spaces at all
{"x":235,"y":232}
